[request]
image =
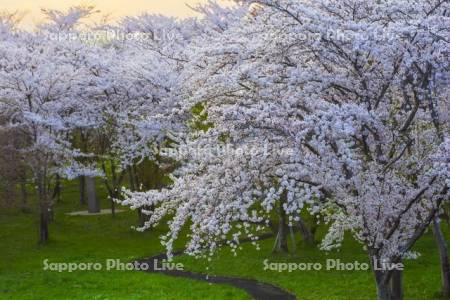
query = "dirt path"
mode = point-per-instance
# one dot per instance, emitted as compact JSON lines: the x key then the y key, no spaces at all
{"x":257,"y":290}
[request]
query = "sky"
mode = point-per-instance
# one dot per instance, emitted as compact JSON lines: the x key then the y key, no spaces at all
{"x":117,"y":8}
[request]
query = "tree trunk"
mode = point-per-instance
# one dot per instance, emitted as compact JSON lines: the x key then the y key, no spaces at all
{"x":44,"y":206}
{"x":383,"y":288}
{"x":82,"y":186}
{"x":443,"y":255}
{"x":383,"y":291}
{"x":114,"y":188}
{"x":43,"y":224}
{"x":281,"y":241}
{"x":133,"y":187}
{"x":294,"y":247}
{"x":57,"y":190}
{"x":51,"y":214}
{"x":396,"y":285}
{"x":113,"y":207}
{"x":305,"y":232}
{"x":131,"y":180}
{"x":141,"y":219}
{"x":93,"y":202}
{"x":10,"y":192}
{"x":389,"y":283}
{"x":24,"y":193}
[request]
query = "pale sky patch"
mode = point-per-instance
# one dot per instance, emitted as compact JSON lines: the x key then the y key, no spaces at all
{"x":117,"y":8}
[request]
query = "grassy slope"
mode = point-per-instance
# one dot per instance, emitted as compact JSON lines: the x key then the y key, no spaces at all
{"x":94,"y":239}
{"x":88,"y":239}
{"x":422,"y":276}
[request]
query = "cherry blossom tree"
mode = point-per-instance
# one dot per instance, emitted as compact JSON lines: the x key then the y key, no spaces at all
{"x":272,"y":108}
{"x":40,"y":89}
{"x":345,"y":97}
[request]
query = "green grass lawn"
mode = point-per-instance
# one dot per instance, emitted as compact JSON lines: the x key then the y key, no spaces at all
{"x":421,"y":278}
{"x":88,"y":239}
{"x":97,"y":238}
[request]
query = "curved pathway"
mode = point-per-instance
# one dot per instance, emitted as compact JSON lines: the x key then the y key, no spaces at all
{"x":257,"y":290}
